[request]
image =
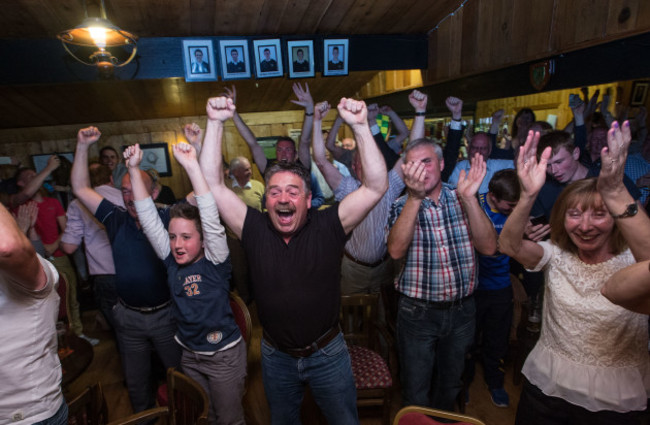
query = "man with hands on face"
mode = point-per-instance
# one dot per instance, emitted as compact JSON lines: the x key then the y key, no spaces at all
{"x":437,"y":229}
{"x":143,"y":315}
{"x":295,"y":258}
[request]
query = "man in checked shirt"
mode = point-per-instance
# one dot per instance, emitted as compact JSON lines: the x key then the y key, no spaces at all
{"x":437,"y":229}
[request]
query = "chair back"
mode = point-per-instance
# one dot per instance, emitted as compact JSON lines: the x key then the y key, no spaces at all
{"x":88,"y":408}
{"x":418,"y":415}
{"x":358,"y":319}
{"x":188,"y":402}
{"x":242,"y":317}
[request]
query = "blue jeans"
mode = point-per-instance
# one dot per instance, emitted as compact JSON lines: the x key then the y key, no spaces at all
{"x":432,"y":346}
{"x":328,"y":373}
{"x":59,"y":418}
{"x":138,"y":334}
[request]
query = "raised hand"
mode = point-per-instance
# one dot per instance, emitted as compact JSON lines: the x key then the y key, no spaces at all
{"x":613,"y":158}
{"x":455,"y":106}
{"x":220,"y":108}
{"x":414,"y":175}
{"x":385,"y":109}
{"x":194,"y":135}
{"x":230,"y":93}
{"x":26,"y":216}
{"x":303,"y":95}
{"x":498,"y":116}
{"x":53,"y":162}
{"x":133,"y":156}
{"x":185,"y":155}
{"x":353,"y":112}
{"x":531,"y":173}
{"x":321,"y":109}
{"x":418,"y":101}
{"x":373,"y":111}
{"x":469,"y":183}
{"x":87,"y":136}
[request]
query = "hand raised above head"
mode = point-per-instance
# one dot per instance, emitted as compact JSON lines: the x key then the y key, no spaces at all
{"x":497,"y":116}
{"x":613,"y":157}
{"x":220,"y":108}
{"x":353,"y":112}
{"x":53,"y":162}
{"x":192,"y":133}
{"x":185,"y":154}
{"x":133,"y":156}
{"x":532,"y":173}
{"x":304,"y":96}
{"x":418,"y":100}
{"x":455,"y":106}
{"x":230,"y":93}
{"x":321,"y":109}
{"x":87,"y":136}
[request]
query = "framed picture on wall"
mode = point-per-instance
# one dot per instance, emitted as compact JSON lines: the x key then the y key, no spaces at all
{"x":156,"y":156}
{"x":200,"y":63}
{"x":335,"y":57}
{"x":639,"y":93}
{"x":301,"y":58}
{"x":268,"y":58}
{"x":234,"y":58}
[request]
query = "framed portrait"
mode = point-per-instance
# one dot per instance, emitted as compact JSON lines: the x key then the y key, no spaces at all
{"x":639,"y":93}
{"x":40,"y":161}
{"x":268,"y":58}
{"x":301,"y":58}
{"x":235,"y":63}
{"x":335,"y":60}
{"x":156,"y":156}
{"x":200,"y":63}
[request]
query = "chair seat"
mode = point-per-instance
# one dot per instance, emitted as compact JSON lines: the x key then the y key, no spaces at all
{"x":414,"y":418}
{"x":369,"y":369}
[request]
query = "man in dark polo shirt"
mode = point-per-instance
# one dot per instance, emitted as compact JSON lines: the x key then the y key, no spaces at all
{"x":295,"y":263}
{"x":143,"y":315}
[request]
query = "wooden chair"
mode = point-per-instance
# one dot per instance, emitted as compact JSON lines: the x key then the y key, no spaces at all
{"x":188,"y":404}
{"x":372,"y":375}
{"x":242,"y":317}
{"x":88,"y":408}
{"x":417,"y":415}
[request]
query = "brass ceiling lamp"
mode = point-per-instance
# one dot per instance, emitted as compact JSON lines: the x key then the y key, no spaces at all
{"x":99,"y":33}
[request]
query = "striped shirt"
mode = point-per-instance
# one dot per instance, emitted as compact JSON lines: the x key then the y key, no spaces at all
{"x":440,"y":263}
{"x":368,"y":242}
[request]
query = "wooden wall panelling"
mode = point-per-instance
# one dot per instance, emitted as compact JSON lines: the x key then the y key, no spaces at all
{"x":579,"y":21}
{"x":336,"y":12}
{"x":532,"y":29}
{"x":292,"y":21}
{"x":469,"y":19}
{"x":271,"y":15}
{"x":620,"y":9}
{"x":361,"y":14}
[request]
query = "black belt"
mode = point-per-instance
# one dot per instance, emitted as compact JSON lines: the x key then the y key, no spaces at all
{"x":145,"y":310}
{"x":307,"y":351}
{"x":439,"y":305}
{"x":362,"y":263}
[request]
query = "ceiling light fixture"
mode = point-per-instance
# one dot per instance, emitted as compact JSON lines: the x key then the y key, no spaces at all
{"x":98,"y":33}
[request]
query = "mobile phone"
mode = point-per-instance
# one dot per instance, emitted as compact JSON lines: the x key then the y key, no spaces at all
{"x":540,"y":219}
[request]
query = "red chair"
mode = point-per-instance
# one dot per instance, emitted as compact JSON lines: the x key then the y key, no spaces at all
{"x":417,"y":415}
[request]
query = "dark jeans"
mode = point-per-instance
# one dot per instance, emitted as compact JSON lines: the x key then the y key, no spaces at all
{"x":432,"y":347}
{"x":536,"y":408}
{"x":59,"y":418}
{"x":105,"y":295}
{"x":493,"y":322}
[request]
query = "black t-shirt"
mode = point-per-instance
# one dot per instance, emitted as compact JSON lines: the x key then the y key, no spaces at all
{"x":296,"y":285}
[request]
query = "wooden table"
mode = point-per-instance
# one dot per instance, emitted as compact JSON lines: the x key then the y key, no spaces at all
{"x":76,"y":361}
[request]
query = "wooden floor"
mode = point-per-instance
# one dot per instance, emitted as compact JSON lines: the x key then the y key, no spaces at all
{"x":106,"y":368}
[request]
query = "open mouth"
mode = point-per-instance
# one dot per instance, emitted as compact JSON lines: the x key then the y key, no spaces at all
{"x":285,"y":215}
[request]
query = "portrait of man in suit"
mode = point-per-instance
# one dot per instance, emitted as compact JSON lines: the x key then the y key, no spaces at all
{"x":334,"y":63}
{"x":199,"y":65}
{"x":300,"y":64}
{"x":268,"y":63}
{"x":235,"y":64}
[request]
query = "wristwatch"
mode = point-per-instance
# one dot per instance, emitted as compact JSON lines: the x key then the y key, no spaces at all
{"x":630,"y":211}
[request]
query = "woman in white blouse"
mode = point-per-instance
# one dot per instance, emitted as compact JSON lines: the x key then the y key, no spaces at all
{"x":590,"y":365}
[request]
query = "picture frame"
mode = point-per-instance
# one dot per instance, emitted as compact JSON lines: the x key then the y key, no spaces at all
{"x":235,"y":60}
{"x":40,"y":160}
{"x":297,"y":66}
{"x":335,"y":57}
{"x":155,"y":155}
{"x":639,"y":93}
{"x":271,"y":65}
{"x":199,"y":60}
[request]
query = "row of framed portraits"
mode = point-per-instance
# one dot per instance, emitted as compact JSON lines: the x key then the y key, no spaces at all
{"x":234,"y":61}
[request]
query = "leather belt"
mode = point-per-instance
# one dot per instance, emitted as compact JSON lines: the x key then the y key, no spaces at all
{"x":145,"y":310}
{"x":439,"y":305}
{"x":307,"y":351}
{"x":362,"y":263}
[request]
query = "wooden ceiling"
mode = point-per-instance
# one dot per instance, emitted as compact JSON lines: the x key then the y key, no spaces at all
{"x":30,"y":105}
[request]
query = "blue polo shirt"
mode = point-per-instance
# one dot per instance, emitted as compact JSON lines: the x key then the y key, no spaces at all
{"x":493,"y":270}
{"x":141,"y":277}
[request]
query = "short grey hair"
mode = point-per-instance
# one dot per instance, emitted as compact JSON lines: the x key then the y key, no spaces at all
{"x":425,"y":142}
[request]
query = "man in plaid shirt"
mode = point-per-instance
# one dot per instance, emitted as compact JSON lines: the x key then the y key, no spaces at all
{"x":437,"y":229}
